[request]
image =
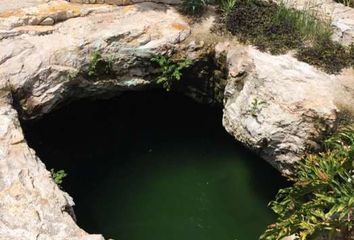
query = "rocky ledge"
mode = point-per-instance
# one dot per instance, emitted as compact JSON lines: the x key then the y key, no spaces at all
{"x":277,"y":106}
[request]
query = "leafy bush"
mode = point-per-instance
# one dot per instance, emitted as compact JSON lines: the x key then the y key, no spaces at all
{"x":321,"y":201}
{"x":170,"y":71}
{"x":58,"y":176}
{"x":194,"y":7}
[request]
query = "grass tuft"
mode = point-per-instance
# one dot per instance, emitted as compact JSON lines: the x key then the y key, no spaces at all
{"x":227,"y":6}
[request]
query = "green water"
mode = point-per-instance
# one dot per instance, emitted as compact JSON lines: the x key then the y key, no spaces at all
{"x":156,"y":166}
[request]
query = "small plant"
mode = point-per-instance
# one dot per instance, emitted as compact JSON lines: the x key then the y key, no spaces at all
{"x":170,"y":71}
{"x":194,"y":7}
{"x":256,"y":107}
{"x":58,"y":176}
{"x":320,"y":204}
{"x":99,"y":66}
{"x":227,"y":5}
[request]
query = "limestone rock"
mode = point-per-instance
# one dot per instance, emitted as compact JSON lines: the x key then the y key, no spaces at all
{"x":32,"y":206}
{"x":48,"y":21}
{"x":276,"y":105}
{"x":44,"y":70}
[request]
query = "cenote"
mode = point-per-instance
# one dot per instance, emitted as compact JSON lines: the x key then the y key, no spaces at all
{"x":156,"y":166}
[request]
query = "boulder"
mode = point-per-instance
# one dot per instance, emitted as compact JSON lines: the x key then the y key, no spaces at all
{"x":277,"y":106}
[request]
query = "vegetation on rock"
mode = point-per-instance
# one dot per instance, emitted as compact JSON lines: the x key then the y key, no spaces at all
{"x":170,"y":70}
{"x":58,"y":176}
{"x":99,"y":66}
{"x":321,"y":201}
{"x":227,"y":5}
{"x":194,"y":7}
{"x":276,"y":28}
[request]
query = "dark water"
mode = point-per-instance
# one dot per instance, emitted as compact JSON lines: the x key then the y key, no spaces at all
{"x":156,"y":166}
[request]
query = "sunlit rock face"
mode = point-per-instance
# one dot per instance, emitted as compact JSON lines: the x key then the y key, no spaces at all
{"x":45,"y":65}
{"x":267,"y":97}
{"x":275,"y":105}
{"x":45,"y":68}
{"x":32,"y":206}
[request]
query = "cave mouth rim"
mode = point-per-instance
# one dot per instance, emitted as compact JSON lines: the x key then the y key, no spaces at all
{"x":93,"y":101}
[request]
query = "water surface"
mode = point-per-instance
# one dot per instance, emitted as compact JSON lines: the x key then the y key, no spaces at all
{"x":156,"y":166}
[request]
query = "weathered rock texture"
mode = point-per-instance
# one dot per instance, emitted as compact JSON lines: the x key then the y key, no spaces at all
{"x":43,"y":69}
{"x":275,"y":105}
{"x":269,"y":96}
{"x":31,"y":204}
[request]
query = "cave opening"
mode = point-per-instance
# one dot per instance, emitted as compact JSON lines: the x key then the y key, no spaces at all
{"x":155,"y":165}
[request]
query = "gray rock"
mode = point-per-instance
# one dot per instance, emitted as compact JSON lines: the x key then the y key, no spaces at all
{"x":341,"y":18}
{"x":277,"y":106}
{"x":48,"y":21}
{"x":46,"y":70}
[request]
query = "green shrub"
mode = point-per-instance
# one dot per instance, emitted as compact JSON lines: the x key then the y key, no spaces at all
{"x":227,"y":5}
{"x":321,"y":201}
{"x":98,"y":66}
{"x":58,"y":176}
{"x":170,"y":71}
{"x":194,"y":7}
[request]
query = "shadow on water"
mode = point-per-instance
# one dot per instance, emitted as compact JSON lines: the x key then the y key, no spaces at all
{"x":152,"y":165}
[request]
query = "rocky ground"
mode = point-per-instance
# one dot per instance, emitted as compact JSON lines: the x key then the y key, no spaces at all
{"x":275,"y":105}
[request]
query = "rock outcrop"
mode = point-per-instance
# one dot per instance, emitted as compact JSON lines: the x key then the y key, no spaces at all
{"x":31,"y":204}
{"x":45,"y":68}
{"x":275,"y":105}
{"x":267,"y":97}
